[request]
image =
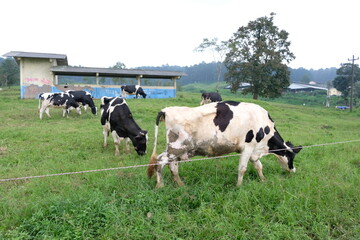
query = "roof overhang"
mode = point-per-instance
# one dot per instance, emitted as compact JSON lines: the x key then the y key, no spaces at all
{"x":60,"y":58}
{"x":110,"y":72}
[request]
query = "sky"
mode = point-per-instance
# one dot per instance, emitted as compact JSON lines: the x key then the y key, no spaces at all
{"x":323,"y":33}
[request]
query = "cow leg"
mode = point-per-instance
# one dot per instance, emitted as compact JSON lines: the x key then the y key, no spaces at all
{"x":117,"y":141}
{"x":163,"y":159}
{"x":42,"y":110}
{"x":244,"y":159}
{"x":127,"y":140}
{"x":78,"y":110}
{"x":105,"y":133}
{"x":65,"y":112}
{"x":47,"y":111}
{"x":258,"y":167}
{"x":174,"y":169}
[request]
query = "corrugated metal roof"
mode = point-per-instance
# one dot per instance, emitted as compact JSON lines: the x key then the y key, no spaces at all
{"x":61,"y":58}
{"x":299,"y":86}
{"x":110,"y":72}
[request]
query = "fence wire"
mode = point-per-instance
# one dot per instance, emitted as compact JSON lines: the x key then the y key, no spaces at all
{"x":147,"y":165}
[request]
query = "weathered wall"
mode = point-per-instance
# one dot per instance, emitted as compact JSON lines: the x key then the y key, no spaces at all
{"x":36,"y":76}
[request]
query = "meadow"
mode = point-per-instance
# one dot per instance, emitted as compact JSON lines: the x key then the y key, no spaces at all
{"x":320,"y":201}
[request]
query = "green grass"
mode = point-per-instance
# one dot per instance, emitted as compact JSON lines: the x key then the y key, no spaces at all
{"x":312,"y":99}
{"x":320,"y":201}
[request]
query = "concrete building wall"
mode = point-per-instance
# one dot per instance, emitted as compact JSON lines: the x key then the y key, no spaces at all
{"x":36,"y":76}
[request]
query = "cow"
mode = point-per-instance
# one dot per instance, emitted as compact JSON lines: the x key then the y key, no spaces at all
{"x":117,"y":119}
{"x":62,"y":100}
{"x":210,"y":97}
{"x":132,"y":90}
{"x":84,"y":98}
{"x":216,"y":129}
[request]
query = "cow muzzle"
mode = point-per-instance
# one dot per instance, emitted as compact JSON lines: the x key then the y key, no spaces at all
{"x":141,"y":153}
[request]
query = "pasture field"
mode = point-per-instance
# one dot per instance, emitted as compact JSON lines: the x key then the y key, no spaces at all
{"x":320,"y":201}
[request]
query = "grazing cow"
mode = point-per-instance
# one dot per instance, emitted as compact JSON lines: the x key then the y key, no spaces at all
{"x":61,"y":100}
{"x":117,"y":119}
{"x":210,"y":97}
{"x":132,"y":90}
{"x":216,"y":129}
{"x":85,"y":98}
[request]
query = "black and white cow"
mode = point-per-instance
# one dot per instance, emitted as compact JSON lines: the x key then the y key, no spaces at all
{"x":62,"y":100}
{"x":84,"y":98}
{"x":216,"y":129}
{"x":117,"y":119}
{"x":132,"y":90}
{"x":210,"y":97}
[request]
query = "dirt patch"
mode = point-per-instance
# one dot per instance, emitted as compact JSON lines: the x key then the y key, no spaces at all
{"x":3,"y":150}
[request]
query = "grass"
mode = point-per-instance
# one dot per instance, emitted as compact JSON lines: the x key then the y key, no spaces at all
{"x":313,"y":99}
{"x":320,"y":201}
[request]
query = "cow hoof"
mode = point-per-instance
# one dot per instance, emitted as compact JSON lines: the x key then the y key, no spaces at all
{"x":159,"y":185}
{"x":180,"y":183}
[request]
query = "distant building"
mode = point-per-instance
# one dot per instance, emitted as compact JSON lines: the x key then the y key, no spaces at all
{"x":39,"y":73}
{"x":334,"y":92}
{"x":300,"y":87}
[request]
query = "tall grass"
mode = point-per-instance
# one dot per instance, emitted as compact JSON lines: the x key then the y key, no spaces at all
{"x":320,"y":201}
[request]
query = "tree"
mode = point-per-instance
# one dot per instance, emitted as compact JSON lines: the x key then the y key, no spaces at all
{"x":117,"y":80}
{"x":218,"y":51}
{"x":256,"y":56}
{"x":9,"y":72}
{"x":342,"y":81}
{"x":119,"y":65}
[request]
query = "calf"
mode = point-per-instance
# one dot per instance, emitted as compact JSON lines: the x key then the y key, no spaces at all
{"x":117,"y":119}
{"x":84,"y":98}
{"x":216,"y":129}
{"x":210,"y":97}
{"x":132,"y":90}
{"x":62,"y":100}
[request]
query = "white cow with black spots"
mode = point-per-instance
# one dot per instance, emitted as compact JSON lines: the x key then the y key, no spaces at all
{"x":61,"y":100}
{"x":216,"y":129}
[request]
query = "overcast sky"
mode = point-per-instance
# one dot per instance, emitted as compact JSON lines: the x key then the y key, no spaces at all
{"x":323,"y":33}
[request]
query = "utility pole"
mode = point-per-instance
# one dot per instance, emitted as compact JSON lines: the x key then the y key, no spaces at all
{"x":352,"y":82}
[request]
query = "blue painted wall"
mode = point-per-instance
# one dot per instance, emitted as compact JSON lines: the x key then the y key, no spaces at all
{"x":99,"y":92}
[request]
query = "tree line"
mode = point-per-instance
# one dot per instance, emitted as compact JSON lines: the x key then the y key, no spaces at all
{"x":198,"y":73}
{"x":207,"y":73}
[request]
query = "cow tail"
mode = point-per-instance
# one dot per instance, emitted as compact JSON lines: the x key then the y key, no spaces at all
{"x":153,"y":159}
{"x":39,"y":101}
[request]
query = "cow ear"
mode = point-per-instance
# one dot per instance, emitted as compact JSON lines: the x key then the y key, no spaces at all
{"x":143,"y":132}
{"x":297,"y":149}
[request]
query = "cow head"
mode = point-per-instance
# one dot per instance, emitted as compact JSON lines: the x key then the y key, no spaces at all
{"x":286,"y":157}
{"x":140,"y":142}
{"x":94,"y":110}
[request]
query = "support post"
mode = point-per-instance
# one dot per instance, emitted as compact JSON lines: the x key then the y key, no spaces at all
{"x":138,"y":77}
{"x":352,"y":82}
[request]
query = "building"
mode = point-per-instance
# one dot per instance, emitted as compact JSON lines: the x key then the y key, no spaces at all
{"x":39,"y":73}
